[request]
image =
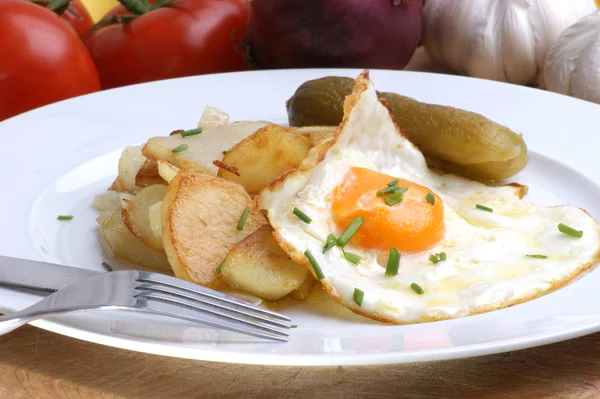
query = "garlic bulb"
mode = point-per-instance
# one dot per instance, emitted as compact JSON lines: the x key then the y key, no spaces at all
{"x":505,"y":40}
{"x":573,"y":62}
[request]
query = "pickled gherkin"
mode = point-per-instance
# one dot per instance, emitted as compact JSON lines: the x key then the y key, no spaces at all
{"x":453,"y":140}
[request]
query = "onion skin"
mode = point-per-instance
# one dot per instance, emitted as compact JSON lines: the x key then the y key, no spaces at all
{"x":333,"y":33}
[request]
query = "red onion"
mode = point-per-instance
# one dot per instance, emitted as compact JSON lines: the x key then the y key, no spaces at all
{"x":333,"y":33}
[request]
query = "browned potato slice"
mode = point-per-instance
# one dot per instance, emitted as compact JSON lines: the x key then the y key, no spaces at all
{"x":200,"y":215}
{"x":148,"y":174}
{"x":258,"y":265}
{"x":136,"y":215}
{"x":203,"y":148}
{"x":316,"y":134}
{"x":118,"y":240}
{"x":301,"y":293}
{"x":264,"y":156}
{"x":118,"y":185}
{"x":130,"y":163}
{"x":167,"y":171}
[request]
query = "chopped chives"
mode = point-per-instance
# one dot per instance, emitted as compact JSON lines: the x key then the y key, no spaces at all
{"x":302,"y":216}
{"x":358,"y":296}
{"x":387,"y":190}
{"x":350,"y":231}
{"x":330,"y":243}
{"x":218,"y":271}
{"x":393,"y":183}
{"x":430,"y":198}
{"x":417,"y":288}
{"x":352,"y":258}
{"x":537,"y":256}
{"x":65,"y":217}
{"x":314,"y":264}
{"x":191,"y":132}
{"x":243,"y":218}
{"x":403,"y":189}
{"x":563,"y":228}
{"x":224,"y":152}
{"x":437,"y":258}
{"x":393,"y":263}
{"x":394,"y":199}
{"x":484,"y":208}
{"x":107,"y":267}
{"x":180,"y":148}
{"x":294,"y":326}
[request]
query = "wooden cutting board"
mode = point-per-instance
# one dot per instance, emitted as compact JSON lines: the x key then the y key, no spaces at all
{"x":38,"y":364}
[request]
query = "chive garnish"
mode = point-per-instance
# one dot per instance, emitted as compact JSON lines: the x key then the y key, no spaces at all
{"x":218,"y":270}
{"x":563,"y":228}
{"x":417,"y":288}
{"x":107,"y":267}
{"x":65,"y":217}
{"x":191,"y":132}
{"x":350,"y":231}
{"x":302,"y":216}
{"x":352,"y":258}
{"x":224,"y":152}
{"x":430,"y":198}
{"x":180,"y":148}
{"x":537,"y":256}
{"x":393,"y":263}
{"x":358,"y":296}
{"x":437,"y":258}
{"x":393,"y":183}
{"x":484,"y":208}
{"x":243,"y":218}
{"x":387,"y":190}
{"x":314,"y":264}
{"x":294,"y":326}
{"x":330,"y":243}
{"x":394,"y":199}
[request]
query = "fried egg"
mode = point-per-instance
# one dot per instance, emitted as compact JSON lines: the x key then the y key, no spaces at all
{"x":366,"y":197}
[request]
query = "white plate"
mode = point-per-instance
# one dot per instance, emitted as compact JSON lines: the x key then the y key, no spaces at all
{"x":55,"y":159}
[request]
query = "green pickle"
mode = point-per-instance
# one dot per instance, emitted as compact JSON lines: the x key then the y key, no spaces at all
{"x":453,"y":140}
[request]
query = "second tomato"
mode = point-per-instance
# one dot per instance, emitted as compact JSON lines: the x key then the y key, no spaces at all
{"x":183,"y":38}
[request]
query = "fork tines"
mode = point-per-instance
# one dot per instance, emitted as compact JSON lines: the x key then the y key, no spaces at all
{"x":210,"y":307}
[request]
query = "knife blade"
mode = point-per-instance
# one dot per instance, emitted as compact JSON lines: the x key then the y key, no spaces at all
{"x":40,"y":276}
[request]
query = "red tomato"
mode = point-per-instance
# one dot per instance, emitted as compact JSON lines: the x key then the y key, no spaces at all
{"x":43,"y":59}
{"x":185,"y":38}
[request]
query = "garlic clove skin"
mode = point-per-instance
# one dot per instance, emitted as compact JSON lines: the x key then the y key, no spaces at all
{"x":572,"y":66}
{"x":504,"y":40}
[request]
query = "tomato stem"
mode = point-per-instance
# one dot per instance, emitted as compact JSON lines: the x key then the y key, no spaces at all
{"x":57,"y":6}
{"x":137,"y":7}
{"x":112,"y":20}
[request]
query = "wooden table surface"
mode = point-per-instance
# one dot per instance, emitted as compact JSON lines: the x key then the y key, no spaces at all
{"x":38,"y":364}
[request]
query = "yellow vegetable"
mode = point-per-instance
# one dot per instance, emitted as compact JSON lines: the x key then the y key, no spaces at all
{"x":97,"y":8}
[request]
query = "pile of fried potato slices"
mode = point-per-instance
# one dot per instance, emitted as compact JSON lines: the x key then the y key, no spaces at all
{"x":179,"y":211}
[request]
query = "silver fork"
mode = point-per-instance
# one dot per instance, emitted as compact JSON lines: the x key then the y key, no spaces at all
{"x":156,"y":293}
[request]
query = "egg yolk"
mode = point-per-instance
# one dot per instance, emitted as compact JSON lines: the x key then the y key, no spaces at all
{"x":413,"y":225}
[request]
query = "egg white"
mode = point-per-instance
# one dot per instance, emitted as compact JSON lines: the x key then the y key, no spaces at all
{"x":486,"y":266}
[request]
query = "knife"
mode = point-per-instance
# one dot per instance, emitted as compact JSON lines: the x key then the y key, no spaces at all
{"x":39,"y":276}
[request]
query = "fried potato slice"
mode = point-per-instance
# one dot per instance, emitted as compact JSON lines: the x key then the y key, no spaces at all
{"x":258,"y":265}
{"x":301,"y":293}
{"x":200,"y":215}
{"x":264,"y":156}
{"x":213,"y":117}
{"x":316,"y":134}
{"x":136,"y":215}
{"x":148,"y":174}
{"x":117,"y":185}
{"x":167,"y":171}
{"x":203,"y":148}
{"x":117,"y":239}
{"x":130,"y":162}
